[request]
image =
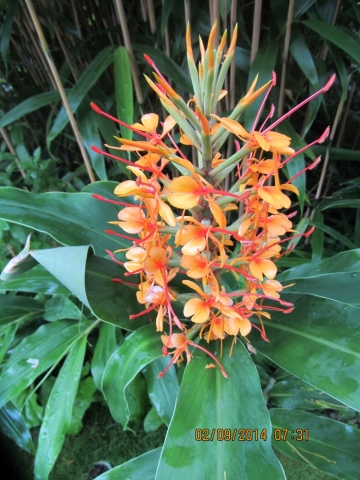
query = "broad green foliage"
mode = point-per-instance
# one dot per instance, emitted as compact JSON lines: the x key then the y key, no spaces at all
{"x":65,"y":333}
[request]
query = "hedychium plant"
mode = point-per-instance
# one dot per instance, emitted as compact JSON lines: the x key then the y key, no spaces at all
{"x":190,"y":274}
{"x":190,"y":227}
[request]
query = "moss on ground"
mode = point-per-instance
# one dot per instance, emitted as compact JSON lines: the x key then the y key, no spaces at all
{"x":103,"y":439}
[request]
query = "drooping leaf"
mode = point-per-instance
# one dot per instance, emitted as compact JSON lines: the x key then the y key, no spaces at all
{"x":58,"y":411}
{"x":336,"y":35}
{"x":36,"y":353}
{"x":15,"y":308}
{"x":70,"y":218}
{"x":138,"y":350}
{"x":310,"y":343}
{"x":211,"y":409}
{"x":13,"y":425}
{"x":332,"y":447}
{"x":29,"y":105}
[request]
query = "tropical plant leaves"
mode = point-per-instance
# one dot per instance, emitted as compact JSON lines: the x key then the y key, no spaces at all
{"x":58,"y":411}
{"x":309,"y":343}
{"x":332,"y":447}
{"x":210,"y":407}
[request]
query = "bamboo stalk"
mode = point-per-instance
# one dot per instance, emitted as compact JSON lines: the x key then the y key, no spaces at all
{"x":152,"y":18}
{"x":216,"y":18}
{"x":60,"y":88}
{"x":285,"y":58}
{"x":187,"y":12}
{"x":143,"y":10}
{"x":127,"y":41}
{"x":10,"y":146}
{"x":256,"y":29}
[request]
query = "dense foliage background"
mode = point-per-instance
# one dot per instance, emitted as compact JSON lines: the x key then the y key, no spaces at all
{"x":83,"y":57}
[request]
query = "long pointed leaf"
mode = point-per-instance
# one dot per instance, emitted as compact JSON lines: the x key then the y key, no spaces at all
{"x":332,"y":447}
{"x":211,"y":409}
{"x":58,"y":411}
{"x":319,"y":343}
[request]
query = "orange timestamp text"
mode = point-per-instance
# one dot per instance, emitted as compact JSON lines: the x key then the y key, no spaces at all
{"x":250,"y":434}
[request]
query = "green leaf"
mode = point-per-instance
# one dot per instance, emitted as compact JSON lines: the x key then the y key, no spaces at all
{"x":58,"y":411}
{"x":70,"y":218}
{"x":87,"y":123}
{"x":77,"y":94}
{"x":310,"y":343}
{"x":110,"y":301}
{"x":342,"y":262}
{"x":29,"y":105}
{"x":105,"y":347}
{"x":166,"y":65}
{"x":123,"y":90}
{"x":59,"y":308}
{"x":317,"y":238}
{"x":337,"y":36}
{"x":15,"y":308}
{"x":166,"y":10}
{"x":162,"y":393}
{"x":332,"y":447}
{"x":139,"y":468}
{"x":136,"y":352}
{"x":83,"y":400}
{"x":209,"y":407}
{"x":38,"y":280}
{"x":303,"y":56}
{"x":67,"y":264}
{"x":6,"y":337}
{"x":152,"y":421}
{"x":343,"y":287}
{"x":13,"y":425}
{"x":298,"y":394}
{"x":6,"y":31}
{"x":36,"y":354}
{"x":333,"y":233}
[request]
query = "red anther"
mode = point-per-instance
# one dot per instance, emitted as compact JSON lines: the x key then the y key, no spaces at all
{"x":329,"y":83}
{"x":324,"y":135}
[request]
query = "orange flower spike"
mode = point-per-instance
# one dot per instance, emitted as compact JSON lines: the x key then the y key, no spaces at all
{"x":260,"y":266}
{"x":271,"y":288}
{"x":137,"y":256}
{"x":159,"y":92}
{"x":192,"y":238}
{"x":133,"y":219}
{"x":196,"y":266}
{"x":198,"y":309}
{"x":185,"y":192}
{"x":156,"y":260}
